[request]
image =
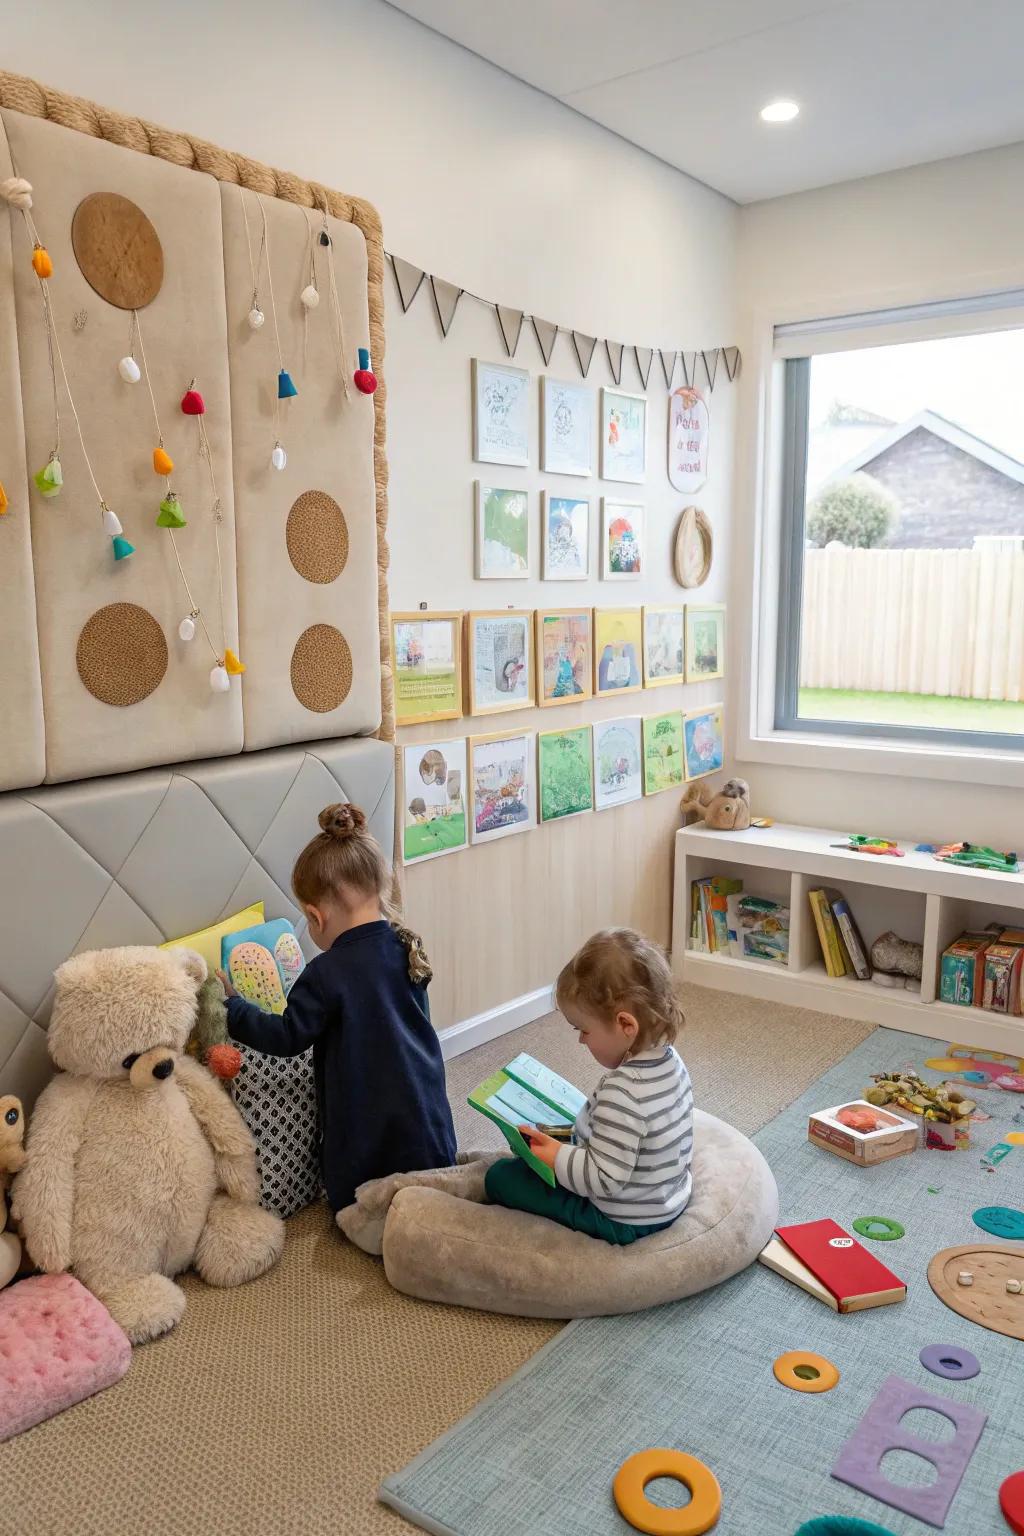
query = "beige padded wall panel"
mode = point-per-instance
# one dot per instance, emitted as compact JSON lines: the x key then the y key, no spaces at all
{"x":310,"y":684}
{"x":21,"y":702}
{"x":184,"y":333}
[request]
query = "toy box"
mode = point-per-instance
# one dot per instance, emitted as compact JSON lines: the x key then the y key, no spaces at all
{"x":862,"y":1133}
{"x":1001,"y":984}
{"x":962,"y":976}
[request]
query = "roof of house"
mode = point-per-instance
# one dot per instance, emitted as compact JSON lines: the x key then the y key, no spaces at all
{"x":939,"y":426}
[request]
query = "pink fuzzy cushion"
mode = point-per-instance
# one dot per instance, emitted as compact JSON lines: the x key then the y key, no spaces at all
{"x":58,"y":1344}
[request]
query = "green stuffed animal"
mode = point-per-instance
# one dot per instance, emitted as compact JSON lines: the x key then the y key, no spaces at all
{"x":209,"y":1041}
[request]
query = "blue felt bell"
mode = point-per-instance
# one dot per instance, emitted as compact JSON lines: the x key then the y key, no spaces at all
{"x":122,"y":549}
{"x":285,"y":388}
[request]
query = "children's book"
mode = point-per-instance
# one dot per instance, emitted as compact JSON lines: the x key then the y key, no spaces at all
{"x":528,"y":1093}
{"x":263,"y":962}
{"x":709,"y":928}
{"x":778,"y":1257}
{"x":850,"y":935}
{"x":828,"y":934}
{"x":758,"y":928}
{"x":854,"y":1277}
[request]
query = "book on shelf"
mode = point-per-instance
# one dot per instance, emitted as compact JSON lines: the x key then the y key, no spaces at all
{"x":850,"y":936}
{"x":758,"y":928}
{"x":962,"y":972}
{"x":709,"y":921}
{"x":528,"y":1093}
{"x":852,"y":1276}
{"x":837,"y":961}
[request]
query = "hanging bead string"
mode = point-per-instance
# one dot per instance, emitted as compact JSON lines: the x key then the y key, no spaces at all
{"x":255,"y":267}
{"x":285,"y":388}
{"x":217,"y":514}
{"x":335,"y":303}
{"x":309,"y":297}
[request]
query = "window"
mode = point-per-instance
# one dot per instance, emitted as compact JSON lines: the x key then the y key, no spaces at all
{"x":901,"y":610}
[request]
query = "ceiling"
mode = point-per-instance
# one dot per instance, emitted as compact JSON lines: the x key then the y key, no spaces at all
{"x":881,"y":83}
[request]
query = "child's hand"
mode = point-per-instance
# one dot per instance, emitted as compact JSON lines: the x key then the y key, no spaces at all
{"x":229,"y":990}
{"x":543,"y":1147}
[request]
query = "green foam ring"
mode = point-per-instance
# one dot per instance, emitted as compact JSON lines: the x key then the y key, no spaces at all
{"x":842,"y":1525}
{"x":864,"y":1227}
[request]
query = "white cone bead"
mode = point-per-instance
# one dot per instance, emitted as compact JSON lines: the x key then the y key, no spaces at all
{"x":129,"y":370}
{"x":309,"y":297}
{"x":255,"y":317}
{"x":219,"y":680}
{"x":111,"y":523}
{"x":187,"y":631}
{"x":278,"y":458}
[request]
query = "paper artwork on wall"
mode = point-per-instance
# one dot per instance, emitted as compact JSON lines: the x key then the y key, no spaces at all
{"x":618,"y":759}
{"x":567,"y":428}
{"x":618,"y":647}
{"x":565,"y":656}
{"x":433,"y":799}
{"x":663,"y":646}
{"x":704,"y":741}
{"x":501,"y":773}
{"x":565,"y":773}
{"x":501,"y":419}
{"x":689,"y":436}
{"x":622,"y":540}
{"x":502,"y":533}
{"x":705,"y":642}
{"x":623,"y":436}
{"x":427,"y":666}
{"x":663,"y":752}
{"x":566,"y":538}
{"x":500,"y":661}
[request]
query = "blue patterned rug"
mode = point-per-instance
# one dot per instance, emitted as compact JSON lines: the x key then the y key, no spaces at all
{"x":538,"y":1456}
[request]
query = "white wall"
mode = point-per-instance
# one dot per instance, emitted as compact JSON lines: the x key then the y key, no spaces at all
{"x":935,"y":231}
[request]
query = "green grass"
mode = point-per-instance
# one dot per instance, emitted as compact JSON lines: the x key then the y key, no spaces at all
{"x":917,"y":709}
{"x":434,"y":836}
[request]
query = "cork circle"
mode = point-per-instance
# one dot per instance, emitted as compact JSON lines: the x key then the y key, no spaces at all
{"x":118,"y":250}
{"x":317,"y":537}
{"x":122,"y":654}
{"x":321,"y":669}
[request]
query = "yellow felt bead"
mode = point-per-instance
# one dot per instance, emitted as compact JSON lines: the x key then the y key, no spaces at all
{"x":163,"y":464}
{"x":4,"y":503}
{"x":41,"y":263}
{"x":232,"y":666}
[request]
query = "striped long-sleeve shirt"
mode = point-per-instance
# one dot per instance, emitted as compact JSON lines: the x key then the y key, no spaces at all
{"x":634,"y":1141}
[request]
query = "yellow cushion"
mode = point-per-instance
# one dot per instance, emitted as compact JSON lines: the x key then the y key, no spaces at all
{"x":207,"y":941}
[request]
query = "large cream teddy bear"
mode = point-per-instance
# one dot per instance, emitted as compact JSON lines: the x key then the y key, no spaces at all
{"x":138,"y":1164}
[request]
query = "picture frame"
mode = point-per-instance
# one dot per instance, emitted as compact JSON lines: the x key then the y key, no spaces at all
{"x":501,"y":414}
{"x":426,"y":663}
{"x":618,"y":650}
{"x":566,"y":427}
{"x":705,"y":642}
{"x":565,"y":655}
{"x":502,"y":785}
{"x":565,"y":537}
{"x":618,"y":761}
{"x":499,"y":660}
{"x":565,"y":773}
{"x":623,"y":540}
{"x":623,"y":436}
{"x":501,"y":533}
{"x":664,"y":767}
{"x":703,"y":741}
{"x":433,"y":799}
{"x":664,"y":644}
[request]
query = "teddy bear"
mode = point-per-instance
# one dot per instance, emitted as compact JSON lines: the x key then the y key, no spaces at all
{"x":12,"y":1159}
{"x":724,"y":810}
{"x":138,"y":1164}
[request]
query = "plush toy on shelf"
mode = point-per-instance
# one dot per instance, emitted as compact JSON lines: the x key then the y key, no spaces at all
{"x":724,"y":810}
{"x":12,"y":1160}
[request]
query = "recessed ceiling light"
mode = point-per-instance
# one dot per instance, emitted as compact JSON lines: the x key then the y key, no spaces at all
{"x":780,"y":112}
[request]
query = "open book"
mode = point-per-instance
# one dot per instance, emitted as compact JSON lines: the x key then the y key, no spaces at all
{"x":528,"y":1093}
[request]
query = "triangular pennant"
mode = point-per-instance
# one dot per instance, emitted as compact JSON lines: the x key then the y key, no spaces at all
{"x":668,"y":366}
{"x":545,"y":333}
{"x":711,"y":368}
{"x":731,"y":359}
{"x":584,"y":346}
{"x":644,"y":356}
{"x":407,"y":280}
{"x":446,"y":302}
{"x":614,"y":351}
{"x":511,"y":324}
{"x":688,"y":361}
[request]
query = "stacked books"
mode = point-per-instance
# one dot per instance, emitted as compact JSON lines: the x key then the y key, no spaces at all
{"x":758,"y":929}
{"x":985,"y":970}
{"x":828,"y":1264}
{"x":841,"y":944}
{"x":709,"y":921}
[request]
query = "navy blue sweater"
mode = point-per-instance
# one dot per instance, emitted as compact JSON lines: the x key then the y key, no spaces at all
{"x":376,"y":1057}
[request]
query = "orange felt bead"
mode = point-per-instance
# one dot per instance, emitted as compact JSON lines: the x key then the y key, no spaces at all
{"x":4,"y":503}
{"x":232,"y":666}
{"x":41,"y":263}
{"x":163,"y":464}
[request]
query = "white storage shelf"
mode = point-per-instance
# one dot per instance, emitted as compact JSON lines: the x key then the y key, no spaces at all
{"x":917,"y":896}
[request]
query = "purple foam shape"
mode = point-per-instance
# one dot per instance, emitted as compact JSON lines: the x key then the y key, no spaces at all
{"x":859,"y":1463}
{"x":950,"y":1361}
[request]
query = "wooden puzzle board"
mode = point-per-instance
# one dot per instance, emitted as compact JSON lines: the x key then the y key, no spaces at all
{"x":987,"y":1301}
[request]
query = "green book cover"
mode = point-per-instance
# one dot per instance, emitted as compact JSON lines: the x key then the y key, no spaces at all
{"x":527,"y":1093}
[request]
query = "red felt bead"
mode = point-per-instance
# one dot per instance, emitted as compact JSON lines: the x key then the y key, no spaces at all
{"x":365,"y":380}
{"x":224,"y":1061}
{"x":1011,"y":1502}
{"x":192,"y":403}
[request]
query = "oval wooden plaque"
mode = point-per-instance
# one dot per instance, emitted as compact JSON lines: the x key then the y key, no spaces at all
{"x":694,"y":548}
{"x":118,"y":250}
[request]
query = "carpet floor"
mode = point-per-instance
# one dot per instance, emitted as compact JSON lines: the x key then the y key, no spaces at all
{"x":280,"y":1407}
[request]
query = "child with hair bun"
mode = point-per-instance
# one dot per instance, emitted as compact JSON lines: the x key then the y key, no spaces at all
{"x":362,"y":1006}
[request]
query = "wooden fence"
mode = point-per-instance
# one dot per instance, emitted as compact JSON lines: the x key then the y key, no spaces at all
{"x":938,"y":621}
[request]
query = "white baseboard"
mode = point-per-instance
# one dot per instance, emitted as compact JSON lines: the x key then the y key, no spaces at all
{"x":495,"y":1021}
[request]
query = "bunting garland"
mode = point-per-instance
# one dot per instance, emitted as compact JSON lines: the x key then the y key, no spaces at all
{"x":409,"y":279}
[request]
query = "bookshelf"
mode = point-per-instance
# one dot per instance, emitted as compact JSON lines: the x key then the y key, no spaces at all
{"x":916,"y":896}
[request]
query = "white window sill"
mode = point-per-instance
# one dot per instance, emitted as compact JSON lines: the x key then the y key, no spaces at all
{"x":904,"y":759}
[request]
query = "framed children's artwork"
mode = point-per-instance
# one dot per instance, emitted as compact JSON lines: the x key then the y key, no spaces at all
{"x":565,"y":655}
{"x":501,"y":777}
{"x":623,"y":436}
{"x":565,"y":555}
{"x":566,"y":428}
{"x":705,"y":641}
{"x":433,"y":799}
{"x":618,"y":647}
{"x":565,"y":773}
{"x":618,"y":761}
{"x":663,"y":752}
{"x":622,"y":540}
{"x":426,"y":658}
{"x":663,"y":645}
{"x":703,"y":744}
{"x":502,"y":526}
{"x":501,"y":414}
{"x":689,"y":431}
{"x":499,"y":660}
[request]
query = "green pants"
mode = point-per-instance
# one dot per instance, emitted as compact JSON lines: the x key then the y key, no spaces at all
{"x":511,"y":1183}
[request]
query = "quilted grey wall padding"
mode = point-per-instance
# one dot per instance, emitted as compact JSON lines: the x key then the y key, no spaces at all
{"x":145,"y":857}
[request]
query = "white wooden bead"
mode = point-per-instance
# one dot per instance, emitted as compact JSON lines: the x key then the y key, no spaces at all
{"x":965,"y":1277}
{"x":309,"y":297}
{"x":219,"y":680}
{"x":187,"y":631}
{"x":278,"y":458}
{"x":1014,"y":1287}
{"x":111,"y":523}
{"x":129,"y":370}
{"x":255,"y":317}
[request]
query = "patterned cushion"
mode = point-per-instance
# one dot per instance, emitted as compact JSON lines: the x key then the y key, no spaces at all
{"x":276,"y":1098}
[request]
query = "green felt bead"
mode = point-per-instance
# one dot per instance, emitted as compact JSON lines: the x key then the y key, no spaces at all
{"x":171,"y":515}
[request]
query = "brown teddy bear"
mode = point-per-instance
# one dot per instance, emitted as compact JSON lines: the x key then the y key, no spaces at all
{"x":139,"y":1165}
{"x":12,"y":1159}
{"x":724,"y":810}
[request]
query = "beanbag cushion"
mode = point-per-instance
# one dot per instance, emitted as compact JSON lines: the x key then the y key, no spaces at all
{"x":58,"y":1344}
{"x":441,"y":1248}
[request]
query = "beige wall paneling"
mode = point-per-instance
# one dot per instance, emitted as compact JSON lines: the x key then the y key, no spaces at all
{"x":328,"y":438}
{"x":21,"y":702}
{"x":183,"y":331}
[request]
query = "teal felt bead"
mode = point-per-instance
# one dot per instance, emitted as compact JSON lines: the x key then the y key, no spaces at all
{"x":122,"y":549}
{"x":285,"y":388}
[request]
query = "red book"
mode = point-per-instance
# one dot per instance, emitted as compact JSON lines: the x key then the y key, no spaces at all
{"x":848,"y":1271}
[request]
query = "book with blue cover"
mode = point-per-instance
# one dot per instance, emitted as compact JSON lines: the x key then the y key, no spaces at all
{"x":528,"y":1093}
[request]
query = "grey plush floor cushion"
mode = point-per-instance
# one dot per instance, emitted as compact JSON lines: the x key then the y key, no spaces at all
{"x":440,"y":1248}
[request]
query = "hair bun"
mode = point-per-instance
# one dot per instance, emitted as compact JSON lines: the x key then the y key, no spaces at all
{"x":342,"y":821}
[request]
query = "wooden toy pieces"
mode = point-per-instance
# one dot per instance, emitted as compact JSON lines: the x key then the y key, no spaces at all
{"x":693,"y":1519}
{"x":982,"y":1298}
